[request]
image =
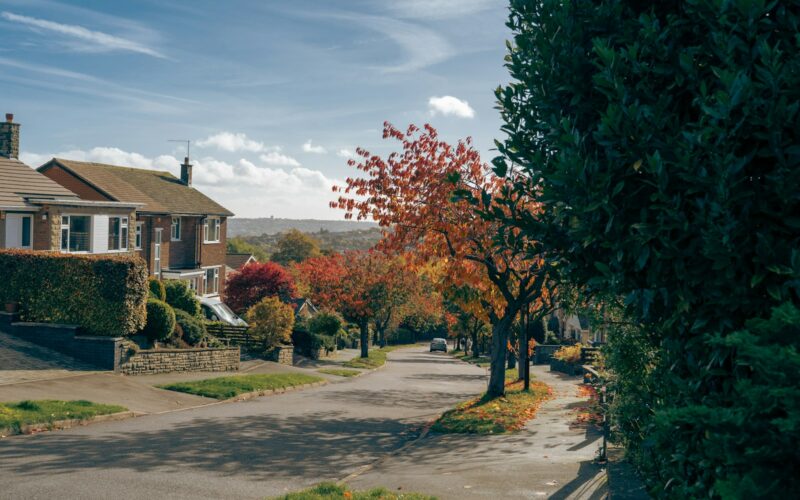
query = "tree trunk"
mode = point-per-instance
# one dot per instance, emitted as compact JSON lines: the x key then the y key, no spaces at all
{"x":364,"y":339}
{"x":497,"y":374}
{"x":382,"y":334}
{"x":476,"y":347}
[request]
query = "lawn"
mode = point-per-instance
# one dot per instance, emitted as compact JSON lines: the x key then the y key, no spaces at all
{"x":340,"y":372}
{"x":228,"y":387}
{"x":16,"y":415}
{"x":331,"y":491}
{"x":495,"y":416}
{"x":482,"y":361}
{"x":377,"y":357}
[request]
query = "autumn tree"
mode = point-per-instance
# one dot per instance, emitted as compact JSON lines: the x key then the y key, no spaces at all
{"x":295,"y":246}
{"x":435,"y":197}
{"x":255,"y":282}
{"x":271,"y":322}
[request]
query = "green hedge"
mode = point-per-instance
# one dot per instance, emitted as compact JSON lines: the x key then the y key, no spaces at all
{"x":192,"y":330}
{"x":180,"y":296}
{"x":104,"y":295}
{"x":160,"y":321}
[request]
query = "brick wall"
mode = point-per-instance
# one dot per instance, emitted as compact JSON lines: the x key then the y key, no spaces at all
{"x":182,"y":360}
{"x":74,"y":184}
{"x":182,"y":253}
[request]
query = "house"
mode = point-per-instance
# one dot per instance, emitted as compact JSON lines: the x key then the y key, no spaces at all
{"x":177,"y":230}
{"x":39,"y":214}
{"x":236,"y":261}
{"x":303,"y":308}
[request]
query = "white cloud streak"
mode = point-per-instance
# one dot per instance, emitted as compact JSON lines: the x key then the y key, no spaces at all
{"x":92,"y":40}
{"x":310,"y":148}
{"x":276,"y":158}
{"x":450,"y":106}
{"x":345,"y":153}
{"x":232,"y":142}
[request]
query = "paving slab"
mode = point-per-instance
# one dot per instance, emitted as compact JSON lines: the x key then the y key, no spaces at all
{"x":23,"y":361}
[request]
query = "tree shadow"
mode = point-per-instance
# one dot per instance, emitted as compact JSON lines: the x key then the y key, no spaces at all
{"x":589,"y":484}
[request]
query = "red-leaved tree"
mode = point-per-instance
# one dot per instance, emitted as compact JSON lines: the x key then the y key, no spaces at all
{"x":257,"y":281}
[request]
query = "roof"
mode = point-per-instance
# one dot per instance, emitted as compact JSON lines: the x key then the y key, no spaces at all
{"x":157,"y":191}
{"x":18,"y":182}
{"x":301,"y":302}
{"x":238,"y":260}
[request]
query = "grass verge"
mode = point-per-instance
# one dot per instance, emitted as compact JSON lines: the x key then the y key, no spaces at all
{"x":45,"y":411}
{"x":339,"y":372}
{"x":228,"y":387}
{"x":495,"y":416}
{"x":332,"y":491}
{"x":377,"y":357}
{"x":482,"y":361}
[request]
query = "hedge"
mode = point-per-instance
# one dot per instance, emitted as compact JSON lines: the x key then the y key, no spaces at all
{"x":104,"y":295}
{"x":192,"y":330}
{"x":160,"y":321}
{"x":308,"y":344}
{"x":180,"y":296}
{"x":157,"y":290}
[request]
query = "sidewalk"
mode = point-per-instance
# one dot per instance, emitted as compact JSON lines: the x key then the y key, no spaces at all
{"x":551,"y":458}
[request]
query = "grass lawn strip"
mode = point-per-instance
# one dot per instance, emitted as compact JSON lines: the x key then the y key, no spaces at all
{"x":229,"y":387}
{"x":495,"y":416}
{"x":17,"y":415}
{"x":482,"y":361}
{"x":332,"y":491}
{"x":340,"y":372}
{"x":377,"y":357}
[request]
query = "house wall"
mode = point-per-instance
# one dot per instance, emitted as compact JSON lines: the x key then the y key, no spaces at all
{"x":74,"y":184}
{"x":47,"y":233}
{"x":213,"y":254}
{"x":183,"y":253}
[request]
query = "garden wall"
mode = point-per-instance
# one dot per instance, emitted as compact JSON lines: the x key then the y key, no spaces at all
{"x":181,"y":360}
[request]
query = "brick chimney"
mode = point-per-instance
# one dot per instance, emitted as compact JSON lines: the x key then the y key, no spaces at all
{"x":186,"y":172}
{"x":9,"y":137}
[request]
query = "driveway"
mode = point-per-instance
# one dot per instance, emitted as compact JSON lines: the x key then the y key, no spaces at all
{"x":22,"y":361}
{"x":261,"y":447}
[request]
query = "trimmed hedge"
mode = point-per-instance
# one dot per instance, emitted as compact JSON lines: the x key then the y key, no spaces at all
{"x":157,"y":290}
{"x":180,"y":296}
{"x":193,"y":332}
{"x":308,"y":344}
{"x":104,"y":295}
{"x":160,"y":320}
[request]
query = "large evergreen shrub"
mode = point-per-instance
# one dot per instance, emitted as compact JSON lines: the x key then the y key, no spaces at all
{"x":663,"y":139}
{"x":192,"y":329}
{"x":180,"y":296}
{"x":160,"y":320}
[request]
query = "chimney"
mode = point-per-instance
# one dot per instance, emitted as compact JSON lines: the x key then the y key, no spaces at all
{"x":186,"y":172}
{"x":9,"y":137}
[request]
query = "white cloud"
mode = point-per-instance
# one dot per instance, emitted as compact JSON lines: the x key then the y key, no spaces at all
{"x":309,"y":148}
{"x":279,"y":159}
{"x":345,"y":153}
{"x":90,"y":40}
{"x":449,"y":105}
{"x":232,"y":142}
{"x":245,"y":187}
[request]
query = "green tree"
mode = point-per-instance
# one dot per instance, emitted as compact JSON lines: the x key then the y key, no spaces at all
{"x":271,"y":322}
{"x":662,"y":139}
{"x":238,"y":244}
{"x":295,"y":246}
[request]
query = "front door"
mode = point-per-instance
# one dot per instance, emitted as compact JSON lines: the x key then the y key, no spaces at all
{"x":157,"y":254}
{"x":19,"y":231}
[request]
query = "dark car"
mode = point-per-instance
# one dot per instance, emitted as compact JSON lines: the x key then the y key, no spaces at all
{"x":439,"y":345}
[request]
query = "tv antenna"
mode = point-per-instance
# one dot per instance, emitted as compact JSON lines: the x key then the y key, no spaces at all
{"x":187,"y":141}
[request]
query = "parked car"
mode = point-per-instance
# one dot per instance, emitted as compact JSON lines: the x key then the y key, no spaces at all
{"x":439,"y":345}
{"x":215,"y":310}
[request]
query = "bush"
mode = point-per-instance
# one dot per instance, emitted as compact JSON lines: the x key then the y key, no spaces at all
{"x":156,"y":289}
{"x":191,"y":329}
{"x":569,"y":354}
{"x":401,"y":336}
{"x":104,"y":295}
{"x":180,"y":296}
{"x":160,"y":321}
{"x":309,"y":344}
{"x":271,"y":322}
{"x":325,"y":323}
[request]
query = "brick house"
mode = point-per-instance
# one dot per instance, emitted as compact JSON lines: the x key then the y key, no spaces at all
{"x":37,"y":213}
{"x":177,"y":230}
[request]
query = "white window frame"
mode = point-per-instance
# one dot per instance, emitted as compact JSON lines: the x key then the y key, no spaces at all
{"x":217,"y":226}
{"x":137,"y":241}
{"x":69,"y":233}
{"x":158,"y":241}
{"x":22,"y":220}
{"x":122,"y":237}
{"x":216,"y":279}
{"x":175,"y":229}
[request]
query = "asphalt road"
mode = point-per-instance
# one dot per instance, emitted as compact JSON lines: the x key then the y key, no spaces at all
{"x":262,"y":447}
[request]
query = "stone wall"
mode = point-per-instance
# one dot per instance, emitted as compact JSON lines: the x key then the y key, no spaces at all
{"x":181,"y":360}
{"x":283,"y":355}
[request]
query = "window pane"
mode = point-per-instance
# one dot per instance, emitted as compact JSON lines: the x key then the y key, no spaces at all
{"x":123,"y":239}
{"x":113,"y":233}
{"x":64,"y":238}
{"x":26,"y":231}
{"x":79,"y":233}
{"x":138,"y":235}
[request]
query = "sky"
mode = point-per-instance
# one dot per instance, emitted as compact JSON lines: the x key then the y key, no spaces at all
{"x":274,"y":95}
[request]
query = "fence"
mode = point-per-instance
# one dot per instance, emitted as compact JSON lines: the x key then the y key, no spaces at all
{"x":234,"y":335}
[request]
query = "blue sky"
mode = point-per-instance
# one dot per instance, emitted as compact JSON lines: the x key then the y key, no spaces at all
{"x":273,"y":94}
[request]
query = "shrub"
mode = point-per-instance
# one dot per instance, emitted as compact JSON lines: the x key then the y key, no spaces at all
{"x":325,"y":323}
{"x":271,"y":322}
{"x":156,"y":289}
{"x":104,"y":295}
{"x":160,"y":320}
{"x":180,"y":296}
{"x":569,"y":354}
{"x":192,"y":330}
{"x":309,"y":344}
{"x":401,"y":336}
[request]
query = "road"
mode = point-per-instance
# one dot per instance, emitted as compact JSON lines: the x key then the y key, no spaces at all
{"x":262,"y":447}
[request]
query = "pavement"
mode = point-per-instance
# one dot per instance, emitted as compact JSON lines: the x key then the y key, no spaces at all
{"x":271,"y":445}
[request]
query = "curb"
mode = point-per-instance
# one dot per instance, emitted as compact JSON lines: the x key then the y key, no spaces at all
{"x":270,"y":392}
{"x":66,"y":424}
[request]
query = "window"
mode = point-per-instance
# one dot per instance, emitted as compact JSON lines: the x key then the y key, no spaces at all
{"x":26,"y":231}
{"x":176,"y":229}
{"x":211,"y":279}
{"x":138,"y":244}
{"x":211,"y":230}
{"x":117,"y":233}
{"x":75,"y":233}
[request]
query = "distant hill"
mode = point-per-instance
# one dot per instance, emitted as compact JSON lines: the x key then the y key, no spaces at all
{"x":257,"y":227}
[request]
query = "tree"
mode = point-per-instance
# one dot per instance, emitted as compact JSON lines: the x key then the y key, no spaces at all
{"x":662,"y":139}
{"x":295,"y":246}
{"x":237,"y":244}
{"x":271,"y":322}
{"x":325,"y":323}
{"x":413,"y":193}
{"x":257,"y":281}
